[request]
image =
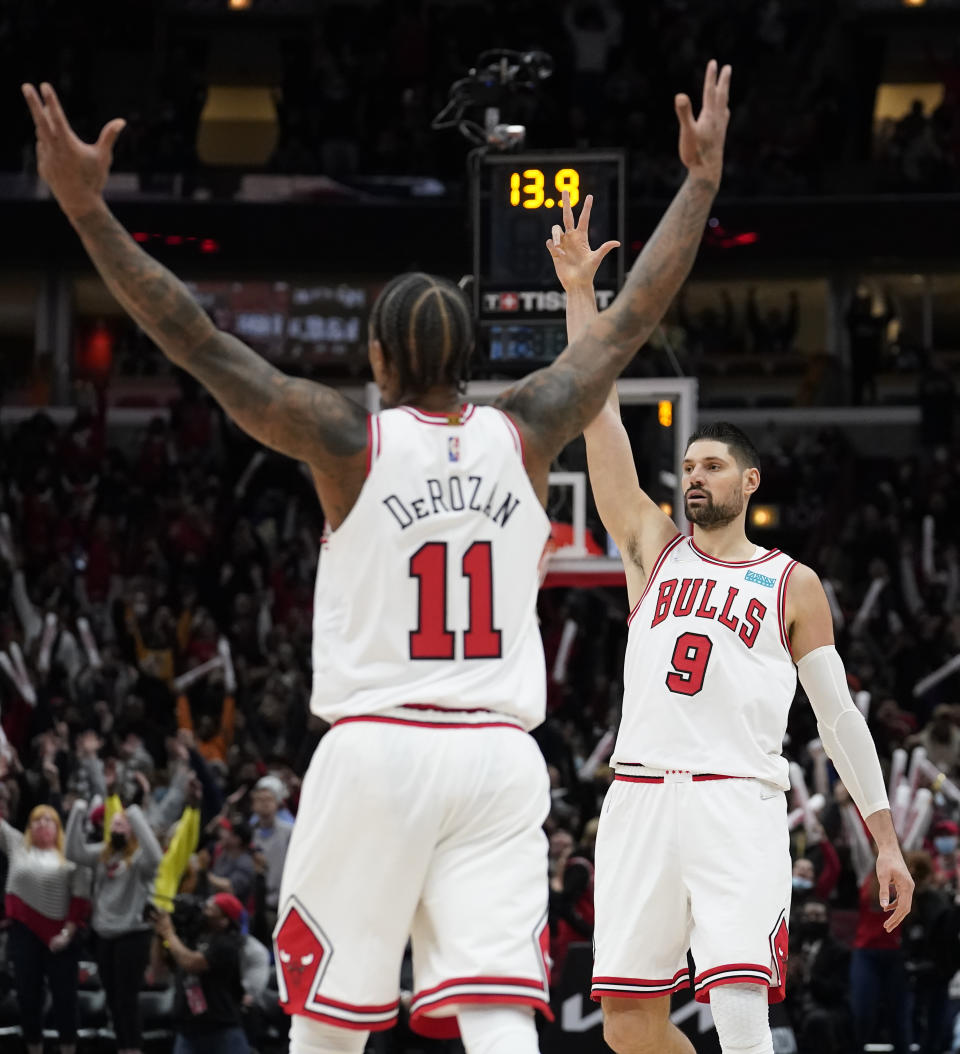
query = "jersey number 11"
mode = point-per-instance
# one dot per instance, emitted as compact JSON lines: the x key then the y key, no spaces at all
{"x":432,"y":639}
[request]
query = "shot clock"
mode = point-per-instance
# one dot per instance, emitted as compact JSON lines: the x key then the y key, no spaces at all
{"x":527,"y":188}
{"x":516,"y":201}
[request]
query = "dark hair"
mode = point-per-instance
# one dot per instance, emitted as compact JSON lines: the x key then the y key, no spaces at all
{"x":241,"y":831}
{"x":425,"y":327}
{"x":737,"y":441}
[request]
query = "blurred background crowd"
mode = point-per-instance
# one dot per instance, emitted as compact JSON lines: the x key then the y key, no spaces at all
{"x":157,"y":567}
{"x":356,"y":87}
{"x":156,"y":608}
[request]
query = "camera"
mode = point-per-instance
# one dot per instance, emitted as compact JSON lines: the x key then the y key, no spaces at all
{"x":186,"y":915}
{"x":497,"y":76}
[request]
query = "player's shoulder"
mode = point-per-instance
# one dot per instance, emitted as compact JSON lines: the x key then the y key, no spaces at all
{"x":649,"y":538}
{"x":802,"y":576}
{"x":804,"y":587}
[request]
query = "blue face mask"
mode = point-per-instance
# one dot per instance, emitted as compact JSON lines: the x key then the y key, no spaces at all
{"x":802,"y":885}
{"x":946,"y":844}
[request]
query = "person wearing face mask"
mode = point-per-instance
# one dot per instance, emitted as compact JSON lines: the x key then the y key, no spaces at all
{"x":46,"y":899}
{"x":807,"y":883}
{"x":124,"y":867}
{"x":803,"y":879}
{"x":932,"y":947}
{"x":944,"y":835}
{"x":819,"y":968}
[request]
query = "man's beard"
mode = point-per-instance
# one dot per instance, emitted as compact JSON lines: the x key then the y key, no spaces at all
{"x":710,"y":514}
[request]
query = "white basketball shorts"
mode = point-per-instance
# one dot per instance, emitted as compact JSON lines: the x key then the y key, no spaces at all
{"x":698,"y":862}
{"x":424,"y":824}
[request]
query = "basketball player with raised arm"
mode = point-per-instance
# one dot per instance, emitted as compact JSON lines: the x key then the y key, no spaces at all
{"x":421,"y":812}
{"x":693,"y":849}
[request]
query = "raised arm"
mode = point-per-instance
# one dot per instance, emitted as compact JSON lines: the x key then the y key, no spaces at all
{"x":554,"y":404}
{"x":638,"y":526}
{"x":295,"y":417}
{"x":151,"y":850}
{"x":74,"y":847}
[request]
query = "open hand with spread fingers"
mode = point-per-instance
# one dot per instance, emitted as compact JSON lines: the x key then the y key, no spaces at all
{"x":75,"y":171}
{"x":575,"y":262}
{"x":701,"y":140}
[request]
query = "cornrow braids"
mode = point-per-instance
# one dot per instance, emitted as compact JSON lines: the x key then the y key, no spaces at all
{"x":425,"y":327}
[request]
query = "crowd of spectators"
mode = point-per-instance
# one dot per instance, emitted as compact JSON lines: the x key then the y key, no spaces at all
{"x":154,"y":678}
{"x":920,"y":151}
{"x":357,"y":85}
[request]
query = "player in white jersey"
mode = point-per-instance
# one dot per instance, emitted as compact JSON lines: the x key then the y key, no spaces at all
{"x":421,"y":812}
{"x":693,"y":850}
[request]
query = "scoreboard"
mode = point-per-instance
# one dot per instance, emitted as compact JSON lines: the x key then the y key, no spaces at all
{"x":518,"y":302}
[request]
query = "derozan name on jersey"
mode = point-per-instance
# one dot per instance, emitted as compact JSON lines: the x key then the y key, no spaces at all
{"x":532,"y":301}
{"x":453,"y":494}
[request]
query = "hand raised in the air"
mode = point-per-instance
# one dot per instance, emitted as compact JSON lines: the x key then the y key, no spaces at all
{"x":575,"y":262}
{"x":76,"y":172}
{"x":701,"y":140}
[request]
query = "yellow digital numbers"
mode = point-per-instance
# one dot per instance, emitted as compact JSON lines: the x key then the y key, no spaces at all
{"x":527,"y":188}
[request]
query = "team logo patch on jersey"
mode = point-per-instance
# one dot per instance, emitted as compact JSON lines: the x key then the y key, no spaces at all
{"x":760,"y":580}
{"x":453,"y":448}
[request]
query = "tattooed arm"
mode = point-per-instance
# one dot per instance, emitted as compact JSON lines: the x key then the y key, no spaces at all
{"x":293,"y":416}
{"x":554,"y":404}
{"x":296,"y":417}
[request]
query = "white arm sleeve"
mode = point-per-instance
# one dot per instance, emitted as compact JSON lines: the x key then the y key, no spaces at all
{"x":843,"y":730}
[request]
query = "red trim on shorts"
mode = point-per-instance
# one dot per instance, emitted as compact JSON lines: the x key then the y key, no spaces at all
{"x":782,"y":608}
{"x":639,"y":987}
{"x":520,"y":982}
{"x":765,"y":970}
{"x":733,"y":563}
{"x":358,"y":1008}
{"x":664,"y":552}
{"x":378,"y":434}
{"x":374,"y":1011}
{"x":436,"y":1027}
{"x":353,"y":1026}
{"x":774,"y":995}
{"x":700,"y":777}
{"x":734,"y":973}
{"x":423,"y":1021}
{"x":383,"y":720}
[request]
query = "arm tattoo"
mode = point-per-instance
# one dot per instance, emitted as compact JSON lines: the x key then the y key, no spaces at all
{"x":296,"y":417}
{"x":557,"y":402}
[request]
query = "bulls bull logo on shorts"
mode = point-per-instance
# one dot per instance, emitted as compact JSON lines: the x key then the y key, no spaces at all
{"x":303,"y":953}
{"x":779,"y":951}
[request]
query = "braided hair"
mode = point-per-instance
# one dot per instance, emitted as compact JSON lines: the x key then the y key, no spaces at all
{"x":425,"y":328}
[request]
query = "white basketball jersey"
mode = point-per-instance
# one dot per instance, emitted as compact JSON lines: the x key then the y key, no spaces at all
{"x":708,"y":678}
{"x":426,"y":593}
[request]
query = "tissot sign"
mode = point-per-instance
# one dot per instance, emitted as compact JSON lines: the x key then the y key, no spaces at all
{"x":534,"y":301}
